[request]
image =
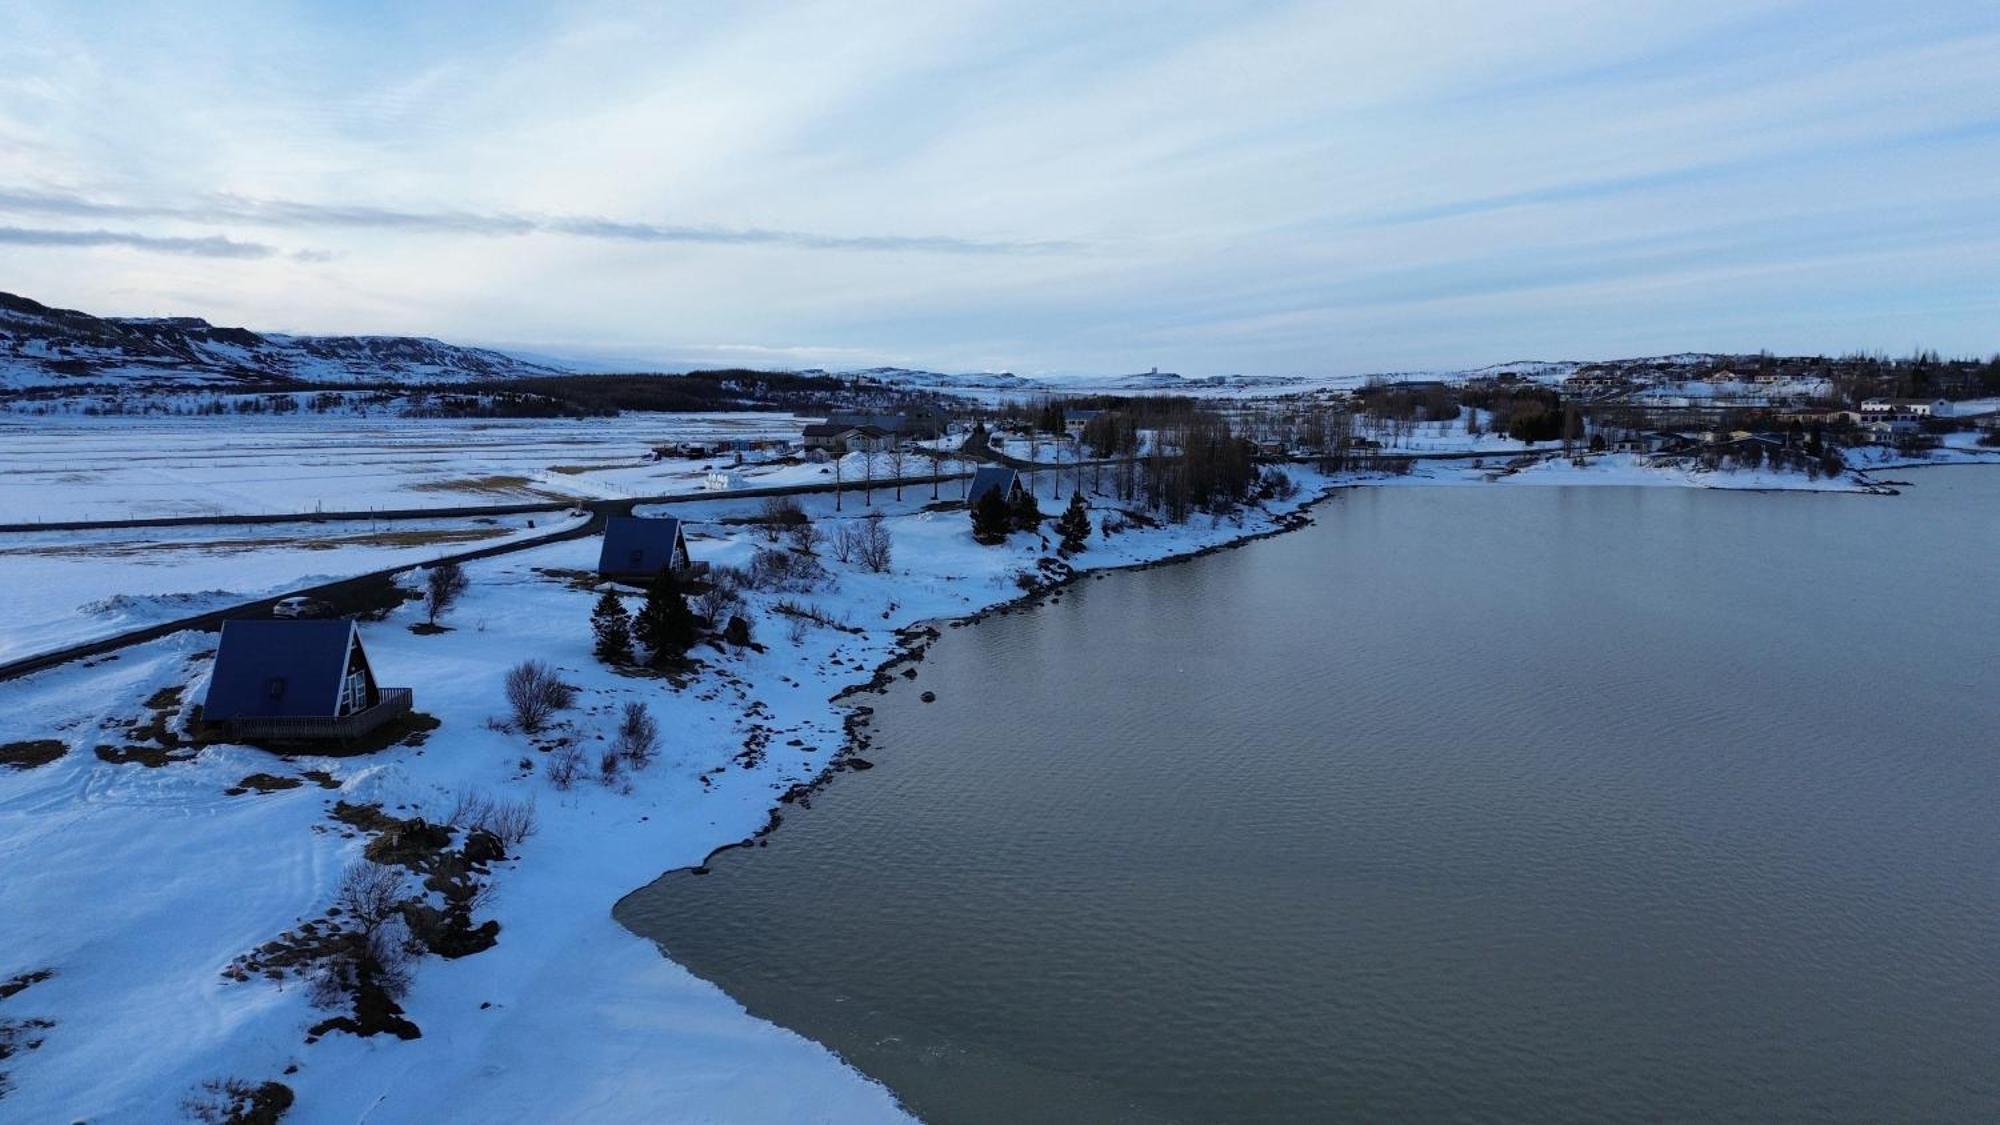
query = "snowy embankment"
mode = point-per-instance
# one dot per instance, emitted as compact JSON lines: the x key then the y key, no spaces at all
{"x":136,"y":886}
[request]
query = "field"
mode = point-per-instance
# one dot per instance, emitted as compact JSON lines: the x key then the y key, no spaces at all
{"x":110,"y":468}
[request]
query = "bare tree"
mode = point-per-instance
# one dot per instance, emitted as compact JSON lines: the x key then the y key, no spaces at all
{"x":899,"y":459}
{"x":443,"y":583}
{"x":873,"y":543}
{"x":720,"y":599}
{"x":535,"y":693}
{"x":778,"y":516}
{"x":378,"y":950}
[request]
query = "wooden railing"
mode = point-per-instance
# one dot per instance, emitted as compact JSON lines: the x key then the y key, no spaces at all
{"x":395,"y":702}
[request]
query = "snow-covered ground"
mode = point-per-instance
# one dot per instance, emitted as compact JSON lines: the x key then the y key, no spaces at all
{"x":111,"y":468}
{"x":137,"y":886}
{"x":61,"y":588}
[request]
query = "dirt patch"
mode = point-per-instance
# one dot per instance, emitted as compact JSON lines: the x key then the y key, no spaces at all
{"x":262,"y":783}
{"x":153,"y":741}
{"x":321,"y":778}
{"x":232,"y":1101}
{"x":28,"y":755}
{"x":22,"y":982}
{"x":152,"y":757}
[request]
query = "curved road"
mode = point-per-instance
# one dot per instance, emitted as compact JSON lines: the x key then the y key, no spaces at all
{"x":347,"y":589}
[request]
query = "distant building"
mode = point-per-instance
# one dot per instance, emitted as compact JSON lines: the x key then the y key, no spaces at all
{"x":990,"y":477}
{"x":851,"y":431}
{"x":1906,"y":408}
{"x":1075,"y":420}
{"x":641,"y":548}
{"x":296,"y":679}
{"x":836,"y":437}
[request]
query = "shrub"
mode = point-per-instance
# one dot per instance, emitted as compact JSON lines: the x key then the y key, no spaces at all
{"x":785,"y":571}
{"x":778,"y":516}
{"x":564,"y":766}
{"x":535,"y":693}
{"x":232,"y":1101}
{"x":715,"y":604}
{"x":638,"y":739}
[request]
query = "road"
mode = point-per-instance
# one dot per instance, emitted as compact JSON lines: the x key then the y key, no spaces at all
{"x":359,"y":586}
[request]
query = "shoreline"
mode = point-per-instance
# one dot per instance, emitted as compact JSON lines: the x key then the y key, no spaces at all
{"x":914,"y":640}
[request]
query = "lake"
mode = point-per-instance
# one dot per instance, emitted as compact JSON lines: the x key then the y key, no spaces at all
{"x":1538,"y":804}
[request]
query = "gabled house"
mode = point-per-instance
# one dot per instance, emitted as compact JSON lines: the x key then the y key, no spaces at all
{"x":642,"y":548}
{"x":1074,"y":421}
{"x":990,"y":477}
{"x":302,"y":679}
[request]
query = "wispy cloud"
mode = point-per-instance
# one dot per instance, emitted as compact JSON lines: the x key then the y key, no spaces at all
{"x":210,"y":246}
{"x":298,"y":214}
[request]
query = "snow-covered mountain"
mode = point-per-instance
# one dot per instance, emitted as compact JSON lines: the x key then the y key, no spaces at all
{"x":46,"y":347}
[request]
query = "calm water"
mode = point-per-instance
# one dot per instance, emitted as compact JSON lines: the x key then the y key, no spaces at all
{"x":1522,"y":804}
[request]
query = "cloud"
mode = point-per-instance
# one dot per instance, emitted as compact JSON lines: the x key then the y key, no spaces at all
{"x":294,"y":213}
{"x":209,"y":246}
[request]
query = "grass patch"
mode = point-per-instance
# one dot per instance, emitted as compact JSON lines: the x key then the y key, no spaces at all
{"x":28,"y":755}
{"x":232,"y":1101}
{"x":494,"y":484}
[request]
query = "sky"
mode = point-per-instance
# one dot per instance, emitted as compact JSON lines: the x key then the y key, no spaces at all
{"x":1045,"y":188}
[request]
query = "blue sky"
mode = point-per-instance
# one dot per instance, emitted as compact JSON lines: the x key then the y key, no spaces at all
{"x":1261,"y":187}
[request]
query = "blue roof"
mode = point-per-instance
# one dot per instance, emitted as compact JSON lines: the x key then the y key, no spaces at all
{"x":990,"y":477}
{"x":639,"y":546}
{"x":268,"y":669}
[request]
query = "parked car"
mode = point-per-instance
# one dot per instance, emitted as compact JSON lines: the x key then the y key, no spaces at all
{"x":301,"y":607}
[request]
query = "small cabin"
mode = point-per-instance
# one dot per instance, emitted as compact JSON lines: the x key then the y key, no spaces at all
{"x":639,"y":548}
{"x":297,"y":679}
{"x":990,"y":477}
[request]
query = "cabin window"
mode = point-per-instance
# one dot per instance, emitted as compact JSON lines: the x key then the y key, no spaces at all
{"x":275,"y":687}
{"x":357,"y":691}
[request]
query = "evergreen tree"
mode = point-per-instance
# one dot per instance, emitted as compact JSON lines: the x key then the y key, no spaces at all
{"x":1074,"y":526}
{"x":1026,"y":514}
{"x":665,"y":624}
{"x":991,"y":520}
{"x":613,"y":629}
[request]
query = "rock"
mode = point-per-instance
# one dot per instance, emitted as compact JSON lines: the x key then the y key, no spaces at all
{"x":860,"y":764}
{"x":929,"y":697}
